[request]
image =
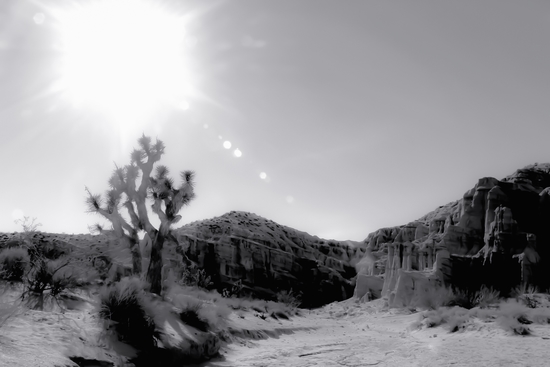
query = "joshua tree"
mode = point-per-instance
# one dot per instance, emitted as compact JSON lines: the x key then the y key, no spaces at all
{"x":127,"y":193}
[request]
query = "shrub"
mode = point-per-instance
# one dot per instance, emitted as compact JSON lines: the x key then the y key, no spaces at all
{"x":487,"y":296}
{"x":194,"y":277}
{"x":526,"y":294}
{"x":513,"y":325}
{"x":13,"y":263}
{"x":190,"y":316}
{"x":464,"y":298}
{"x":469,"y":299}
{"x":123,"y":312}
{"x":454,"y":317}
{"x":47,"y":280}
{"x":514,"y":316}
{"x":235,"y":290}
{"x":200,"y":309}
{"x":289,"y":298}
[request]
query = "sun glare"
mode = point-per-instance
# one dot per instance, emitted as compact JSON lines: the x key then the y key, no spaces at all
{"x":124,"y":57}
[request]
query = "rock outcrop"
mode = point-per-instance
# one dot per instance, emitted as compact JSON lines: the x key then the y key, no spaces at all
{"x":265,"y":256}
{"x":268,"y":257}
{"x":497,"y":235}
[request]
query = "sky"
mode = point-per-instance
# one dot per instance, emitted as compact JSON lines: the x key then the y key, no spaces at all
{"x":332,"y":117}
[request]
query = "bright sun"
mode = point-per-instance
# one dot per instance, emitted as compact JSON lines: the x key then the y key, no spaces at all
{"x":124,"y":57}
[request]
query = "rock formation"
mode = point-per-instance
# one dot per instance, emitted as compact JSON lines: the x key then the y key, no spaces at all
{"x":269,"y":257}
{"x":265,"y":256}
{"x":497,"y":235}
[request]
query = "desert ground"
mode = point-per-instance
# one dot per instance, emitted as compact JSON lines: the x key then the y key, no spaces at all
{"x":348,"y":333}
{"x":364,"y":334}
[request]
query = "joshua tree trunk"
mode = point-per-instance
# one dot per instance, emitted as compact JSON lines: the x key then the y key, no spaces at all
{"x":154,"y":273}
{"x":136,"y":259}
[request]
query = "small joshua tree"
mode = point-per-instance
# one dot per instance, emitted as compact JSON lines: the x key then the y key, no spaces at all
{"x":128,"y":193}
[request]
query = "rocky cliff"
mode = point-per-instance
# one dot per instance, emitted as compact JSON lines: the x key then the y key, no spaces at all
{"x":497,"y":235}
{"x":269,"y":257}
{"x":265,"y":256}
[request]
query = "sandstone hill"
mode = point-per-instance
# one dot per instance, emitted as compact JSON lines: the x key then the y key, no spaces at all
{"x":269,"y":257}
{"x":265,"y":256}
{"x":497,"y":235}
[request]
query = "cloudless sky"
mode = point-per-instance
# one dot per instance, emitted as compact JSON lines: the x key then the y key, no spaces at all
{"x":361,"y":114}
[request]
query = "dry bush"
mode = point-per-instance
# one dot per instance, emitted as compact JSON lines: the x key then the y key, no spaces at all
{"x":527,"y":294}
{"x":13,"y":263}
{"x":514,"y":316}
{"x":194,"y":277}
{"x":486,"y":297}
{"x":190,"y":316}
{"x":290,"y":298}
{"x":469,"y":299}
{"x":199,"y":308}
{"x":47,"y":281}
{"x":215,"y":314}
{"x":454,"y":317}
{"x":514,"y":320}
{"x":124,"y":314}
{"x":234,"y":291}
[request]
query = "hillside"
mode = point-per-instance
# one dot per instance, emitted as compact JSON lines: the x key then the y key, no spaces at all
{"x":268,"y":257}
{"x":497,"y":234}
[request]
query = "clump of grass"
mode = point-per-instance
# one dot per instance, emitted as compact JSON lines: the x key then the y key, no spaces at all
{"x":526,"y":294}
{"x":486,"y":297}
{"x":206,"y":311}
{"x":13,"y":263}
{"x":511,"y":315}
{"x":290,"y":298}
{"x":190,"y":316}
{"x":47,"y":281}
{"x":123,"y":312}
{"x":454,"y":317}
{"x":514,"y":316}
{"x":432,"y":298}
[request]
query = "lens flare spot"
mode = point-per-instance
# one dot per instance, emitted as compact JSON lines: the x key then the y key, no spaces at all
{"x":263,"y":175}
{"x":227,"y":144}
{"x":237,"y":153}
{"x":39,"y":18}
{"x":220,"y":137}
{"x":17,"y":214}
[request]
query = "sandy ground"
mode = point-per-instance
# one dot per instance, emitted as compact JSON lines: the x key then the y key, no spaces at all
{"x":352,"y":334}
{"x":341,"y":334}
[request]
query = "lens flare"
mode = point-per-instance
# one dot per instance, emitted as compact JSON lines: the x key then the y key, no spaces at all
{"x":227,"y":144}
{"x":237,"y":153}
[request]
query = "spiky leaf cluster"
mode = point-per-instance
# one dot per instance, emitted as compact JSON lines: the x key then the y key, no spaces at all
{"x":125,"y":192}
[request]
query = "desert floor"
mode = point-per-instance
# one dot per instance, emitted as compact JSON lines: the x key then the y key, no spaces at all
{"x":347,"y":333}
{"x":353,"y":334}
